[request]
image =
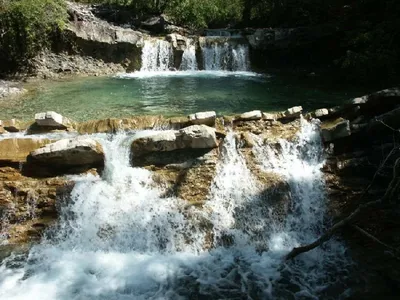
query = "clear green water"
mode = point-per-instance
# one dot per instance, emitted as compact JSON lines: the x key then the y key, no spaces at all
{"x":174,"y":93}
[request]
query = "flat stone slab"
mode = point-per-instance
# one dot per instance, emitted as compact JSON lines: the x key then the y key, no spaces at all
{"x":70,"y":152}
{"x":206,"y":118}
{"x":192,"y":137}
{"x":52,"y":119}
{"x":251,"y":116}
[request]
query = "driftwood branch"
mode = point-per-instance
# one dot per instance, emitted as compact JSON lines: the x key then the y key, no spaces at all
{"x":390,"y":192}
{"x":393,"y":251}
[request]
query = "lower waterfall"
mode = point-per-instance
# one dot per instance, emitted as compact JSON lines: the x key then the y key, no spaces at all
{"x":119,"y":237}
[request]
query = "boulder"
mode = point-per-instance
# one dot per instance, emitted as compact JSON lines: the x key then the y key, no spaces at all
{"x":206,"y":118}
{"x":250,"y":116}
{"x":292,"y":113}
{"x":69,"y":152}
{"x":192,"y":137}
{"x":335,"y":131}
{"x":154,"y":24}
{"x":197,"y":137}
{"x":178,"y":42}
{"x":320,"y":113}
{"x":52,"y":119}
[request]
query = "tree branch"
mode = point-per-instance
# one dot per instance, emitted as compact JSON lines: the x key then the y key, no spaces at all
{"x":390,"y":192}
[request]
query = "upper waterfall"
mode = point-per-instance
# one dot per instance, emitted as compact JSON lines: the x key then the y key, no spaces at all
{"x":157,"y":55}
{"x":226,"y":56}
{"x":209,"y":53}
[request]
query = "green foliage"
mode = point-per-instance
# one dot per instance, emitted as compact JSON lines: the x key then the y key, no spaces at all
{"x":198,"y":14}
{"x":26,"y":26}
{"x":374,"y":45}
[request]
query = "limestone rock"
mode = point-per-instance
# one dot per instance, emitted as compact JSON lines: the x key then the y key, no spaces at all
{"x":206,"y":118}
{"x":270,"y":116}
{"x":198,"y":137}
{"x":250,"y":116}
{"x":113,"y":125}
{"x":52,"y":119}
{"x":179,"y":42}
{"x":293,"y":112}
{"x":338,"y":130}
{"x":375,"y":98}
{"x":70,"y":152}
{"x":320,"y":113}
{"x":192,"y":137}
{"x":17,"y":150}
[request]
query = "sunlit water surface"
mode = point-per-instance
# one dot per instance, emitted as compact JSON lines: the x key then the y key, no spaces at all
{"x":174,"y":93}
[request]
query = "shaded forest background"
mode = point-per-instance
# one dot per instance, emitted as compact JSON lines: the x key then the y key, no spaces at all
{"x":369,"y":45}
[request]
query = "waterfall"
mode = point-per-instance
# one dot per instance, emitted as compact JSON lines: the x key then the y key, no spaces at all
{"x":157,"y":55}
{"x":225,"y":56}
{"x":120,"y":237}
{"x":189,"y":61}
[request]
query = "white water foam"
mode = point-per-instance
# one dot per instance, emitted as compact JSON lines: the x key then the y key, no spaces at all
{"x":187,"y":74}
{"x":189,"y":61}
{"x":119,"y":237}
{"x":157,"y":55}
{"x":226,"y":56}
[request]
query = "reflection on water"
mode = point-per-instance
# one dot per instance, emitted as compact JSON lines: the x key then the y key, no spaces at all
{"x":173,"y":93}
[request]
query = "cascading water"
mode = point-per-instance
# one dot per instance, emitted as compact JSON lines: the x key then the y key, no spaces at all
{"x":118,"y":237}
{"x":225,"y":56}
{"x":157,"y":55}
{"x":189,"y":62}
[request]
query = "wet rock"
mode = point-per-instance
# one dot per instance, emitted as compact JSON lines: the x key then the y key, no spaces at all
{"x":68,"y":153}
{"x":192,"y":137}
{"x":178,"y":122}
{"x":113,"y":125}
{"x":52,"y":119}
{"x":335,"y":130}
{"x":270,"y":117}
{"x":250,"y":116}
{"x":179,"y":42}
{"x":16,"y":150}
{"x":26,"y":202}
{"x":206,"y":118}
{"x":198,"y":137}
{"x":12,"y":125}
{"x":292,"y":113}
{"x":320,"y":113}
{"x":247,"y":140}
